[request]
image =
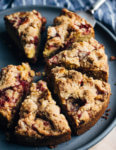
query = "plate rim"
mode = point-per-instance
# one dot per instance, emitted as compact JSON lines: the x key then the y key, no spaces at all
{"x":112,"y":35}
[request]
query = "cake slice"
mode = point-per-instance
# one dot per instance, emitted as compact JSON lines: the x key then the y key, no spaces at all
{"x":83,"y":99}
{"x":25,"y":29}
{"x":67,"y":28}
{"x":87,"y":57}
{"x":14,"y":85}
{"x":41,"y":122}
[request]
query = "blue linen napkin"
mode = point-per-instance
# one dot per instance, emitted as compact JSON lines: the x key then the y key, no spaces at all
{"x":106,"y":14}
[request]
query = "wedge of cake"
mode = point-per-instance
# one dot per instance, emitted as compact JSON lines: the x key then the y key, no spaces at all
{"x":83,"y":99}
{"x":25,"y":29}
{"x":14,"y":85}
{"x":87,"y":57}
{"x":41,"y":122}
{"x":67,"y":28}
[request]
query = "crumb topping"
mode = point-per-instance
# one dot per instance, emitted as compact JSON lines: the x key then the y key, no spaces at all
{"x":67,"y":28}
{"x":83,"y":97}
{"x":28,"y":26}
{"x":39,"y":114}
{"x":89,"y":55}
{"x":14,"y":83}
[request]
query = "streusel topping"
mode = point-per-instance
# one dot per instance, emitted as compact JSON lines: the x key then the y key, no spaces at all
{"x":10,"y":74}
{"x":28,"y":26}
{"x":39,"y":114}
{"x":82,"y":96}
{"x":67,"y":28}
{"x":14,"y":84}
{"x":89,"y":55}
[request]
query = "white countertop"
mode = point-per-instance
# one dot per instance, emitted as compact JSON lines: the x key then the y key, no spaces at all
{"x":108,"y":143}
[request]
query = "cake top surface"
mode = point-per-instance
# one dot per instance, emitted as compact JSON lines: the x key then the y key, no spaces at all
{"x":12,"y":75}
{"x":28,"y":25}
{"x":14,"y":84}
{"x":73,"y":82}
{"x":65,"y":29}
{"x":84,"y":54}
{"x":80,"y":93}
{"x":39,"y":114}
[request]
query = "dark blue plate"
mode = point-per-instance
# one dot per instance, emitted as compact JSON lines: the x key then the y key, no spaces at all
{"x":103,"y":127}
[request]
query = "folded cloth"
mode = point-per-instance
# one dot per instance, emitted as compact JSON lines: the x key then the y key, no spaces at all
{"x":106,"y":14}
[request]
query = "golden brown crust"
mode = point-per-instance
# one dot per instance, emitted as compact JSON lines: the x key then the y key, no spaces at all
{"x":67,"y":28}
{"x":93,"y":121}
{"x":40,"y":118}
{"x":82,"y":99}
{"x":88,"y":57}
{"x":14,"y":85}
{"x":25,"y":29}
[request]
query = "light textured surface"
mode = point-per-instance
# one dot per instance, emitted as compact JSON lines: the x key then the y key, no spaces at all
{"x":67,"y":28}
{"x":108,"y":143}
{"x":83,"y":99}
{"x":26,"y":26}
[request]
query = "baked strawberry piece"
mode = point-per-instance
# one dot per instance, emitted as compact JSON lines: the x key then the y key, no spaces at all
{"x":14,"y":85}
{"x":67,"y":28}
{"x":83,"y":99}
{"x":87,"y":57}
{"x":41,"y":122}
{"x":25,"y":29}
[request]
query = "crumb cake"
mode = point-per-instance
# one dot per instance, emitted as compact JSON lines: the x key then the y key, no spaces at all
{"x":67,"y":28}
{"x":14,"y":85}
{"x":87,"y":57}
{"x":41,"y":122}
{"x":83,"y":99}
{"x":25,"y":29}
